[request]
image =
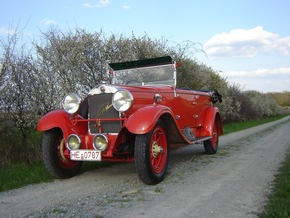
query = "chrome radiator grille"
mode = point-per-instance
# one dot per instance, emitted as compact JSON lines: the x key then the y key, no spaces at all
{"x":100,"y":106}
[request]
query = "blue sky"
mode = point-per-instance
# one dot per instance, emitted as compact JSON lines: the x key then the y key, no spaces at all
{"x":246,"y":41}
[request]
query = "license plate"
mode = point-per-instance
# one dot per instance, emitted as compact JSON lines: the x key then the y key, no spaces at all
{"x":89,"y":155}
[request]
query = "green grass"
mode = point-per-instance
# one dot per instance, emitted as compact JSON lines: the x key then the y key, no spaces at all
{"x":279,"y":201}
{"x":19,"y":175}
{"x":234,"y":127}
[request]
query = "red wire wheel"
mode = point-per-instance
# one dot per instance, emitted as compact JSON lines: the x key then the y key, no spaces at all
{"x":151,"y":155}
{"x":211,"y":146}
{"x":53,"y":149}
{"x":158,"y":150}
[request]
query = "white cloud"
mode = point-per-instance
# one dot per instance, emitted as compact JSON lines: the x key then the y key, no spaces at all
{"x":282,"y":71}
{"x":264,"y":85}
{"x":263,"y":80}
{"x":246,"y":43}
{"x":102,"y":3}
{"x":87,"y":5}
{"x":47,"y":21}
{"x":127,"y":7}
{"x":283,"y":45}
{"x":6,"y":31}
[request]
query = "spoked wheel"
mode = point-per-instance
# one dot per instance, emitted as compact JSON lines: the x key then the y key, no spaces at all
{"x":151,"y":155}
{"x":211,"y":146}
{"x":57,"y":164}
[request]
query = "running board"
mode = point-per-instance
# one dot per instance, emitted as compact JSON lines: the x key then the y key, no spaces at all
{"x":201,"y":139}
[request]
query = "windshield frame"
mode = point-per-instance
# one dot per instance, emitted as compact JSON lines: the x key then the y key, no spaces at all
{"x":152,"y":71}
{"x":164,"y":74}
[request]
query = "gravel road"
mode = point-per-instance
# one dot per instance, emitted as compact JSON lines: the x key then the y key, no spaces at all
{"x":233,"y":183}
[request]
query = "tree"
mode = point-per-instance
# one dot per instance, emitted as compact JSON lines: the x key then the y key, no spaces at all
{"x":17,"y":110}
{"x":283,"y":99}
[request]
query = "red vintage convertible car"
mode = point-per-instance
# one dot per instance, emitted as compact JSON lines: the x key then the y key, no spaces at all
{"x":138,"y":116}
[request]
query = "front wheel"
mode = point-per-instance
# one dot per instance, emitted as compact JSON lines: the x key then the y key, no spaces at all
{"x":151,"y":155}
{"x":211,"y":146}
{"x":56,"y":163}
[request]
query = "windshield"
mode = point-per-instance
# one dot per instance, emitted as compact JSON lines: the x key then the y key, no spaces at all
{"x":162,"y":74}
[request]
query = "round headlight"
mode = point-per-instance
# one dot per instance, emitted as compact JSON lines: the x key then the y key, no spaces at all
{"x":122,"y":100}
{"x":73,"y":142}
{"x":100,"y":142}
{"x":71,"y":103}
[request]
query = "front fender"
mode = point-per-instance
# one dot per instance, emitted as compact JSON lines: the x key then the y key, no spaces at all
{"x":212,"y":116}
{"x":60,"y":119}
{"x":144,"y":119}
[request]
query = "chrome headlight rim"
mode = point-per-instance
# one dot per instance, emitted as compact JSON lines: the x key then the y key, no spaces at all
{"x":122,"y":100}
{"x":68,"y":145}
{"x":71,"y":103}
{"x":105,"y":142}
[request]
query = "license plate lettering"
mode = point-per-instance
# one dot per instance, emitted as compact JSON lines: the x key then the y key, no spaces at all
{"x":89,"y":155}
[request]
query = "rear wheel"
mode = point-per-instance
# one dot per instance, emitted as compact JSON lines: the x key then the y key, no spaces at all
{"x":57,"y":164}
{"x":211,"y":146}
{"x":151,"y":155}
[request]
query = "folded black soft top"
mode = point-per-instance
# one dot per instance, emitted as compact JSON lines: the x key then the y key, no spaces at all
{"x":141,"y":63}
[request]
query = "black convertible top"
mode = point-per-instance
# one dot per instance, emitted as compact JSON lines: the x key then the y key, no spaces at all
{"x":141,"y":63}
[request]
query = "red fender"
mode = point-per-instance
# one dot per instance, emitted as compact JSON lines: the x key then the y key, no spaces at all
{"x":212,"y":114}
{"x":60,"y":119}
{"x":144,"y":119}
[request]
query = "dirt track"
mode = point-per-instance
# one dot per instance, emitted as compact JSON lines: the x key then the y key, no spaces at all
{"x":232,"y":183}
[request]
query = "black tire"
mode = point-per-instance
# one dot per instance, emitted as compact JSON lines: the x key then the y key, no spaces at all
{"x":211,"y":146}
{"x":151,"y":155}
{"x":54,"y":160}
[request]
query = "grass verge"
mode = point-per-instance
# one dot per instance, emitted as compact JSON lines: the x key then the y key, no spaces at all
{"x":19,"y":175}
{"x":278,"y":204}
{"x":234,"y":127}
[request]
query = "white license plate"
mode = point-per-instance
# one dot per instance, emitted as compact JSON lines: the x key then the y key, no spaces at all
{"x":90,"y":155}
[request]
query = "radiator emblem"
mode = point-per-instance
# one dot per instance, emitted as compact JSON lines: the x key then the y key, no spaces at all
{"x":103,"y":108}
